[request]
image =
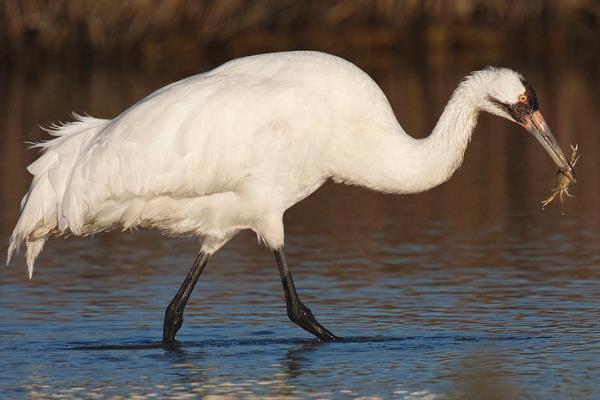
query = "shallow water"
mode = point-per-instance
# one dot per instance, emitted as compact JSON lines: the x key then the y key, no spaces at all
{"x":466,"y":291}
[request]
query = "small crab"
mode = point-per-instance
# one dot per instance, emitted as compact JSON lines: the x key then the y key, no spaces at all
{"x":562,"y":182}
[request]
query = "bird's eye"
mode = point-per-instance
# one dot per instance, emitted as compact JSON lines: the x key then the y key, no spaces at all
{"x":523,"y":99}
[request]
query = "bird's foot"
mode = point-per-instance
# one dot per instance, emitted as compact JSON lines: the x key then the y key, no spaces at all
{"x":173,"y":322}
{"x":303,"y":317}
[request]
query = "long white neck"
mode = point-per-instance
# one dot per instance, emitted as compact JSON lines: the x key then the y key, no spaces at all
{"x":391,"y":161}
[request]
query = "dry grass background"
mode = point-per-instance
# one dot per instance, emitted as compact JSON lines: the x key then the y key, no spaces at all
{"x":151,"y":30}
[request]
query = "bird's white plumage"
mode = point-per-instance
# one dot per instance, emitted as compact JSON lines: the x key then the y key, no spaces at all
{"x":235,"y":147}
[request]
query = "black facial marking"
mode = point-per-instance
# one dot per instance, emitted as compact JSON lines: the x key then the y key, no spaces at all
{"x":519,"y":111}
{"x":530,"y":93}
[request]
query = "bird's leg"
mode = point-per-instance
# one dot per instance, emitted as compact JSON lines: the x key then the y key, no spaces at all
{"x":174,"y":312}
{"x":298,"y":312}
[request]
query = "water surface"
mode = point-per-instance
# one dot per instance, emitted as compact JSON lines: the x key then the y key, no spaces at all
{"x":466,"y":291}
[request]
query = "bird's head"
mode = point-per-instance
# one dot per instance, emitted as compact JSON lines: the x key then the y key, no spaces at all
{"x":508,"y":95}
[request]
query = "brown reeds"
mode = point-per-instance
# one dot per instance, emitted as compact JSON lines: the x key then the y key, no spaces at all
{"x":151,"y":29}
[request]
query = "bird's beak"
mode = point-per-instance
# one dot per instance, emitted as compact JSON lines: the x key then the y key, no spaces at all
{"x":537,"y":126}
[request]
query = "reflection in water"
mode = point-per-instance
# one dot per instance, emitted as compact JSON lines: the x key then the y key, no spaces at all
{"x":487,"y":375}
{"x":468,"y":290}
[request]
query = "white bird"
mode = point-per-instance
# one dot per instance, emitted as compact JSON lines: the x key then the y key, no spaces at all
{"x":235,"y":147}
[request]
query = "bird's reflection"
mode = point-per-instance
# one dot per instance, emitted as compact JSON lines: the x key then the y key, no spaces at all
{"x":295,"y":358}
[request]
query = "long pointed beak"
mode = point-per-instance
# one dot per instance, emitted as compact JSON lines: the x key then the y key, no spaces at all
{"x":537,"y":126}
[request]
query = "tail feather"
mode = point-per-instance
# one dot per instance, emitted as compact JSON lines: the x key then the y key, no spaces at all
{"x":33,"y":250}
{"x":41,"y":206}
{"x":12,"y":247}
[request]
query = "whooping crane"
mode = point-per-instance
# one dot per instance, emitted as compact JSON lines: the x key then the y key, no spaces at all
{"x":235,"y":147}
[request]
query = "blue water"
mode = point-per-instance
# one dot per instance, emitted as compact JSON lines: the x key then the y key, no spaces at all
{"x":460,"y":317}
{"x":466,"y":291}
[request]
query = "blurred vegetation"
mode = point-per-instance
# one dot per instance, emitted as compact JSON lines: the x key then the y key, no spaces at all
{"x":149,"y":31}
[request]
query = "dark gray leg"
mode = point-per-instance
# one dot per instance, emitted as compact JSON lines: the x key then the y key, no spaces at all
{"x":174,"y":312}
{"x":298,"y":312}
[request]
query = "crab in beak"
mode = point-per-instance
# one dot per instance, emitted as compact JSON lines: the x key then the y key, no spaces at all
{"x":536,"y":125}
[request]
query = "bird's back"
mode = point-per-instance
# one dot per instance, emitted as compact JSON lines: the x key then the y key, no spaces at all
{"x":263,"y":118}
{"x":257,"y":132}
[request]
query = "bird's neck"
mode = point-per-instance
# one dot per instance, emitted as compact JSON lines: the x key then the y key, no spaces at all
{"x":391,"y":161}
